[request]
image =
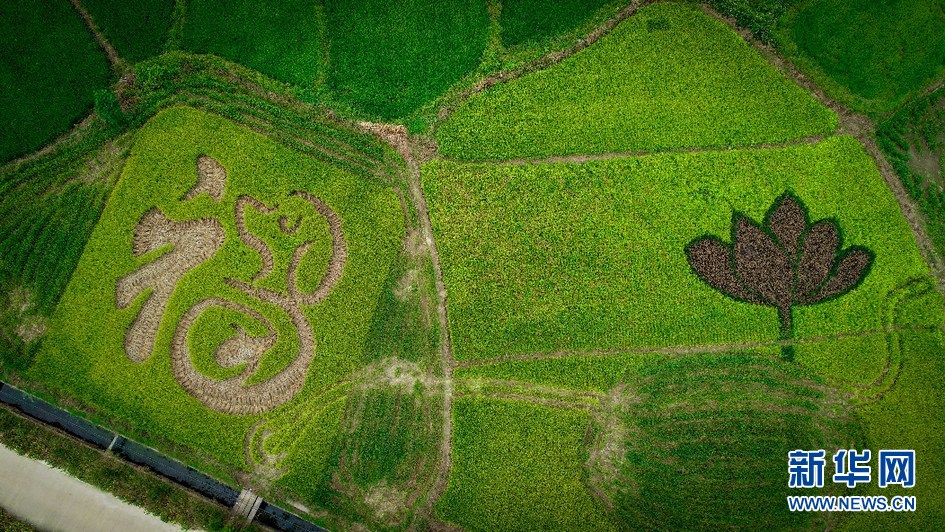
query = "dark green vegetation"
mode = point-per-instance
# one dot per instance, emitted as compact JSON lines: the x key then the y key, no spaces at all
{"x":567,"y":256}
{"x":386,"y":451}
{"x":692,"y":83}
{"x":699,"y":426}
{"x":869,"y":55}
{"x":759,"y":16}
{"x":49,"y":70}
{"x":517,"y":466}
{"x":390,"y":57}
{"x":914,"y":141}
{"x":168,"y":501}
{"x":281,"y":39}
{"x":137,"y":29}
{"x":50,"y":206}
{"x":532,"y":20}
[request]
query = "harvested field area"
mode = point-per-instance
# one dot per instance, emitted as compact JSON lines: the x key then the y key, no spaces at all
{"x":220,"y":249}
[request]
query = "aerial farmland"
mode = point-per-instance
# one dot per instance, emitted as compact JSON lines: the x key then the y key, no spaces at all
{"x":497,"y":265}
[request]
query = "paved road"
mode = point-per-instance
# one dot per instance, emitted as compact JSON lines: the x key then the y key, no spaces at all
{"x":50,"y":499}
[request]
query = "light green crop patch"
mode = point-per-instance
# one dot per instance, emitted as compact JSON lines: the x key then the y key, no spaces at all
{"x":518,"y":466}
{"x":542,"y":258}
{"x":668,"y":77}
{"x":230,"y":283}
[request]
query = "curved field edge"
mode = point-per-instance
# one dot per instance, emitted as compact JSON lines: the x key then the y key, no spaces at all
{"x":616,"y":219}
{"x":702,"y":87}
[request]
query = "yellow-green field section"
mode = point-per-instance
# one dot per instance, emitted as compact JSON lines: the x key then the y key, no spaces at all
{"x":668,"y":77}
{"x":540,"y":258}
{"x":84,"y":357}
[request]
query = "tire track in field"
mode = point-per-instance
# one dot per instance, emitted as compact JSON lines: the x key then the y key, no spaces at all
{"x":118,"y":64}
{"x":692,"y":349}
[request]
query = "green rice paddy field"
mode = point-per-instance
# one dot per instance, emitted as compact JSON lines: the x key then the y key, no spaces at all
{"x":504,"y":265}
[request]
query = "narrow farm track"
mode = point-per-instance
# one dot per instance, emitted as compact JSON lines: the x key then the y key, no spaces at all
{"x":688,"y":349}
{"x":118,"y":64}
{"x":583,"y":158}
{"x":412,"y":151}
{"x":546,"y":61}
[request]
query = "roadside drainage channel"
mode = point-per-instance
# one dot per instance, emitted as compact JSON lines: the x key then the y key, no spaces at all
{"x":244,"y":503}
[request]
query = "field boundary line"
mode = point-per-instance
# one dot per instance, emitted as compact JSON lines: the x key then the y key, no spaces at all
{"x":117,"y":62}
{"x":552,"y":403}
{"x":858,"y":126}
{"x":583,"y":158}
{"x":693,"y":349}
{"x":545,"y":61}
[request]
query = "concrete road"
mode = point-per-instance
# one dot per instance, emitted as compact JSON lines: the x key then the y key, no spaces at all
{"x":50,"y":499}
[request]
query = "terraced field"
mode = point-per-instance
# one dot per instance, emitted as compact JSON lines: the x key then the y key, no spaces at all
{"x":601,"y":268}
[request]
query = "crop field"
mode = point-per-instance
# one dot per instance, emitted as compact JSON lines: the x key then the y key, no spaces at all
{"x":48,"y":83}
{"x":869,"y":55}
{"x":387,"y":57}
{"x":231,"y":311}
{"x":502,"y":229}
{"x":280,"y":39}
{"x":914,"y":141}
{"x":526,"y":21}
{"x":692,"y":83}
{"x":484,"y":264}
{"x":137,"y":30}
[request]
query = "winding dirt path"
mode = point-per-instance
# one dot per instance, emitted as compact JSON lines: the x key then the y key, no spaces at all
{"x":118,"y":64}
{"x":546,"y":61}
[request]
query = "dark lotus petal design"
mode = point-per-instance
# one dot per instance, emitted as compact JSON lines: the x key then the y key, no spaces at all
{"x":784,"y":263}
{"x":787,"y":221}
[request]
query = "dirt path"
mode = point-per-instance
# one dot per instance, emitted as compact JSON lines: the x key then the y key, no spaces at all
{"x":687,"y":349}
{"x":119,"y":65}
{"x":413,"y":151}
{"x":446,"y":349}
{"x":50,"y":499}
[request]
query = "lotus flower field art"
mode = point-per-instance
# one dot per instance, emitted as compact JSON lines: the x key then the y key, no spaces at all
{"x":784,"y":262}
